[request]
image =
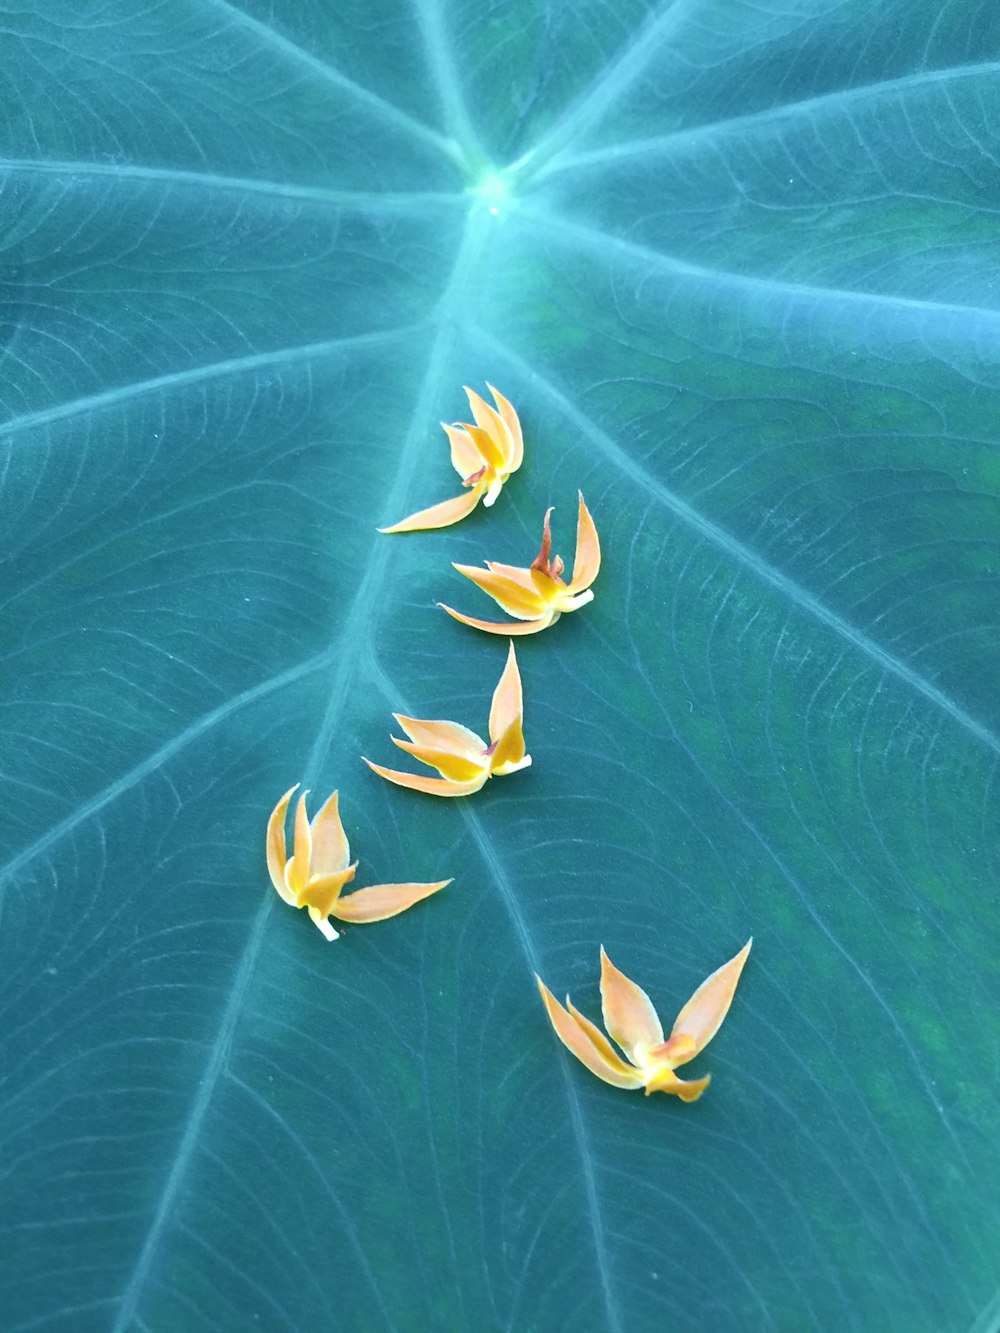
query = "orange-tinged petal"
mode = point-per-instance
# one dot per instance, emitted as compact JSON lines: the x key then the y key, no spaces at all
{"x":599,"y":1039}
{"x":504,"y":626}
{"x":513,"y":425}
{"x":454,"y":767}
{"x":277,"y":855}
{"x":665,"y":1080}
{"x":506,"y":721}
{"x":465,"y":457}
{"x":383,"y":900}
{"x":577,"y":1039}
{"x":514,"y":598}
{"x":587,"y":564}
{"x":450,"y":736}
{"x":322,"y":891}
{"x":702,"y":1016}
{"x":674,"y":1051}
{"x":432,"y":786}
{"x":507,"y":705}
{"x":440,"y":515}
{"x":297,"y":869}
{"x":628,"y":1012}
{"x":516,"y":573}
{"x":542,"y":560}
{"x":330,"y":850}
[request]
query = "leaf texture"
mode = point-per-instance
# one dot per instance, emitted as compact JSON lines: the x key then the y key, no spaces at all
{"x":734,"y":266}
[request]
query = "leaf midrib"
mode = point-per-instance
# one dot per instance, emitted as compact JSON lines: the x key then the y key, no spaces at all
{"x":754,"y":120}
{"x":389,"y":201}
{"x":328,"y":73}
{"x":353,"y":635}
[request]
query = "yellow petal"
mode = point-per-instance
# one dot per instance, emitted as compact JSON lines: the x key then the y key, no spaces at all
{"x":491,"y":421}
{"x":506,"y":718}
{"x":514,"y":598}
{"x":322,"y":891}
{"x":432,"y":786}
{"x":665,"y":1080}
{"x":702,"y":1016}
{"x":513,"y":425}
{"x":599,"y":1039}
{"x":465,"y":457}
{"x":440,"y":515}
{"x":548,"y":585}
{"x":330,"y":850}
{"x":507,"y":705}
{"x":503,"y":626}
{"x":577,"y":1039}
{"x":504,"y":760}
{"x":450,"y":736}
{"x":493,"y":451}
{"x":298,"y":869}
{"x":383,"y":900}
{"x":587,"y":564}
{"x":628,"y":1012}
{"x":516,"y":573}
{"x":277,"y":855}
{"x":454,"y":767}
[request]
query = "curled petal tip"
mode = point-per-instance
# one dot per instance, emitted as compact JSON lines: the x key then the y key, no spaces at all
{"x":587,"y":561}
{"x":686,"y":1090}
{"x":276,"y":847}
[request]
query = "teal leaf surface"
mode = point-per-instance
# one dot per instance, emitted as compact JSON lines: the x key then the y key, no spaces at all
{"x":735,"y":265}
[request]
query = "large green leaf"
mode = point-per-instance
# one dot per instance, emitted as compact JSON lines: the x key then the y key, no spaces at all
{"x":736,"y":266}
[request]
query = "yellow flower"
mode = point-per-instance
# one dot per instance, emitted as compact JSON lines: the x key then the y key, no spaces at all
{"x":321,"y":865}
{"x":632,"y":1021}
{"x":537,"y":596}
{"x":463,"y":759}
{"x":484,"y":455}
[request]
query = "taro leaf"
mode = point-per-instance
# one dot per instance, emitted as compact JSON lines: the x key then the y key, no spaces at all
{"x":736,"y":265}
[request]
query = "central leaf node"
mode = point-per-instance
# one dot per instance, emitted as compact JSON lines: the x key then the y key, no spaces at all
{"x":494,"y":191}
